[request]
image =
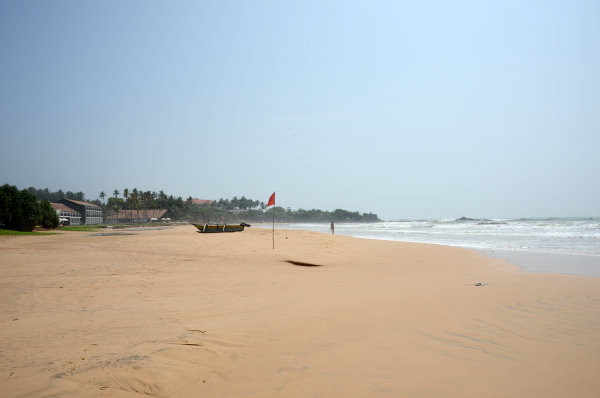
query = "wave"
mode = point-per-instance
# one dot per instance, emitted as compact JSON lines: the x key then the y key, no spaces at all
{"x":575,"y":235}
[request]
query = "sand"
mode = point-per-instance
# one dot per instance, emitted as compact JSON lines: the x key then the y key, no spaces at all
{"x":173,"y":313}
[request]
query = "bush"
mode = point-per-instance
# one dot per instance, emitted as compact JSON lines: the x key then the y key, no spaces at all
{"x":48,"y":217}
{"x":9,"y":202}
{"x":21,"y":211}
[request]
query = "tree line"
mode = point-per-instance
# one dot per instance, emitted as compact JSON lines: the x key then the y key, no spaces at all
{"x":240,"y":204}
{"x":22,"y":211}
{"x":213,"y":213}
{"x":176,"y":207}
{"x":139,"y":201}
{"x":222,"y":210}
{"x":235,"y":209}
{"x":46,"y":194}
{"x":315,"y":215}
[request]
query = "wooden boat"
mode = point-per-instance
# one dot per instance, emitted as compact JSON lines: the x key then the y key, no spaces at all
{"x":209,"y":228}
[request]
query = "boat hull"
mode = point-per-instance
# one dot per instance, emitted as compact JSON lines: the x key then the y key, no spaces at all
{"x":215,"y":228}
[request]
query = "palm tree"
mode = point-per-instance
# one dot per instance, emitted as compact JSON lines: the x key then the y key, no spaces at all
{"x":146,"y":197}
{"x":116,"y":193}
{"x":135,"y":201}
{"x":102,"y":196}
{"x":116,"y":209}
{"x":188,"y":206}
{"x":126,"y":194}
{"x":162,"y":196}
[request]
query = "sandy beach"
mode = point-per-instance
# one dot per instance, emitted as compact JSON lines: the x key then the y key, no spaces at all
{"x":173,"y":313}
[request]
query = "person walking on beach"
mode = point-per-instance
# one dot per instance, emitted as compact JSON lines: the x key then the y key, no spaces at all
{"x":332,"y":228}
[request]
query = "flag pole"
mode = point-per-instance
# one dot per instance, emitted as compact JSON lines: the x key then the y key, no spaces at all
{"x":272,"y":203}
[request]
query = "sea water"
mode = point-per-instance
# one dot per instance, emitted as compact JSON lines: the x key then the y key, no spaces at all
{"x":567,"y":238}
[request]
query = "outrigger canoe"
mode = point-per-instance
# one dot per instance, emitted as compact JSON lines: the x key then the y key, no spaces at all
{"x":207,"y":228}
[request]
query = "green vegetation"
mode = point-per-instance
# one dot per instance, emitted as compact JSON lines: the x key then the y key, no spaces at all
{"x":222,"y":210}
{"x":212,"y":213}
{"x":81,"y":227}
{"x":10,"y":232}
{"x":47,"y":215}
{"x":46,"y":194}
{"x":21,"y":211}
{"x":301,"y":215}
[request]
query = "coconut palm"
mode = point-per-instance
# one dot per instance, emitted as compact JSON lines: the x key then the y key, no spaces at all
{"x":162,"y":196}
{"x":116,"y":208}
{"x":145,"y":198}
{"x":135,"y":201}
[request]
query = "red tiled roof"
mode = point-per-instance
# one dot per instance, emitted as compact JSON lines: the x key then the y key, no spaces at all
{"x":201,"y":202}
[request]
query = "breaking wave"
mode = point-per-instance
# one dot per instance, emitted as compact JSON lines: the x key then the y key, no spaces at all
{"x":545,"y":235}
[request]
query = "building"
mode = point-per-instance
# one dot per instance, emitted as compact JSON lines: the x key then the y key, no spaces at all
{"x":64,"y":212}
{"x":202,"y":202}
{"x":90,"y":213}
{"x":134,"y":216}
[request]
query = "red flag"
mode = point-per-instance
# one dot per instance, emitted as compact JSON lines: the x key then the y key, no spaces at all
{"x":271,"y":200}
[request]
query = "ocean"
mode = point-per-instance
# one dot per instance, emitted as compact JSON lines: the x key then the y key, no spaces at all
{"x":527,"y":242}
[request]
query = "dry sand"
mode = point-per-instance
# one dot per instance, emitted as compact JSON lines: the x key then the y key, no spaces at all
{"x":173,"y":313}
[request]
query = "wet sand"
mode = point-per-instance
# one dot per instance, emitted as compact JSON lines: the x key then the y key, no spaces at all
{"x":173,"y":313}
{"x":570,"y":264}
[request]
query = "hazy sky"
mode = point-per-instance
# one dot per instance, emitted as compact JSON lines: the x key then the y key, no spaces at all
{"x":407,"y":109}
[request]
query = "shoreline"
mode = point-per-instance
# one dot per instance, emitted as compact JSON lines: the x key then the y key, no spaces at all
{"x":174,"y":313}
{"x":527,"y":261}
{"x":548,"y":263}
